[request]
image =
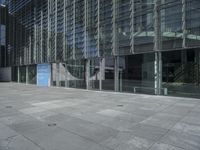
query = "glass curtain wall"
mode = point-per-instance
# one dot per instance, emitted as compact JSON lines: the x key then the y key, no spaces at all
{"x":143,"y":26}
{"x":95,"y":74}
{"x":105,"y":27}
{"x":76,"y":74}
{"x":192,"y":17}
{"x":72,"y":33}
{"x":136,"y":73}
{"x":91,"y":29}
{"x":15,"y":74}
{"x":171,"y":24}
{"x":69,"y":30}
{"x":32,"y":74}
{"x":4,"y":53}
{"x":181,"y":72}
{"x":121,"y":27}
{"x":22,"y":74}
{"x":108,"y":73}
{"x":79,"y":24}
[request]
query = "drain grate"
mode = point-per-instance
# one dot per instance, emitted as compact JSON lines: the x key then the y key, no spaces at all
{"x":52,"y":124}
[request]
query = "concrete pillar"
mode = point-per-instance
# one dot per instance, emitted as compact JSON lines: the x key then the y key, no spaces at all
{"x":157,"y":48}
{"x":27,"y":79}
{"x":158,"y":73}
{"x":100,"y":74}
{"x":18,"y":74}
{"x":87,"y":74}
{"x":116,"y":59}
{"x":184,"y":23}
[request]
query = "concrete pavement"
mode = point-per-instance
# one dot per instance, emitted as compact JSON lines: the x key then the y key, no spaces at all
{"x":33,"y":118}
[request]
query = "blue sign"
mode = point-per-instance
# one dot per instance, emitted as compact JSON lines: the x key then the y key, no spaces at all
{"x":43,"y":74}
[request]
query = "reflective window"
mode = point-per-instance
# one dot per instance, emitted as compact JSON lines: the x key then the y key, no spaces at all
{"x":136,"y":73}
{"x":181,"y":72}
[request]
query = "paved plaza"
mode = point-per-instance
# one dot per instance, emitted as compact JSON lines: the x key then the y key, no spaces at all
{"x":33,"y":118}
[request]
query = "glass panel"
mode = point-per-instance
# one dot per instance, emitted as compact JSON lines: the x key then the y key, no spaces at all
{"x":32,"y":74}
{"x":53,"y":74}
{"x":171,"y":24}
{"x":15,"y":74}
{"x":94,"y":74}
{"x":136,"y":73}
{"x":22,"y":73}
{"x":92,"y":28}
{"x":143,"y":31}
{"x":52,"y":30}
{"x":123,"y":20}
{"x":108,"y":73}
{"x":76,"y":74}
{"x":60,"y":30}
{"x":2,"y":35}
{"x":79,"y":28}
{"x":192,"y":23}
{"x":105,"y":27}
{"x":69,"y":29}
{"x":181,"y":73}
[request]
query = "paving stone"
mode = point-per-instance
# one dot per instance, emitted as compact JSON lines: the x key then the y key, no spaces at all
{"x":148,"y":131}
{"x":162,"y":120}
{"x":54,"y":138}
{"x":182,"y":140}
{"x":18,"y":143}
{"x":162,"y":146}
{"x":136,"y":143}
{"x":89,"y":130}
{"x":75,"y":119}
{"x":182,"y":127}
{"x":6,"y":132}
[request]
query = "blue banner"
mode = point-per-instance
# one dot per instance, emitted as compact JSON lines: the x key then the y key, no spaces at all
{"x":43,"y":74}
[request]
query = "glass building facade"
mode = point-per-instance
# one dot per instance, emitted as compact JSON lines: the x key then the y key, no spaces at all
{"x":136,"y":46}
{"x":3,"y":21}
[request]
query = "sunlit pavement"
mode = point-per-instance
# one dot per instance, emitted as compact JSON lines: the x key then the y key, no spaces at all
{"x":33,"y":118}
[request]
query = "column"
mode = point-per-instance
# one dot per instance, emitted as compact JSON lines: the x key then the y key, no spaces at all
{"x":116,"y":73}
{"x":27,"y":79}
{"x":100,"y":73}
{"x":87,"y":74}
{"x":158,"y":73}
{"x":18,"y":74}
{"x":184,"y":23}
{"x":157,"y":48}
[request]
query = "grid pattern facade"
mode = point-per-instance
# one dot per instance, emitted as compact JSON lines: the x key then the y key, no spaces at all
{"x":140,"y":46}
{"x":61,"y":30}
